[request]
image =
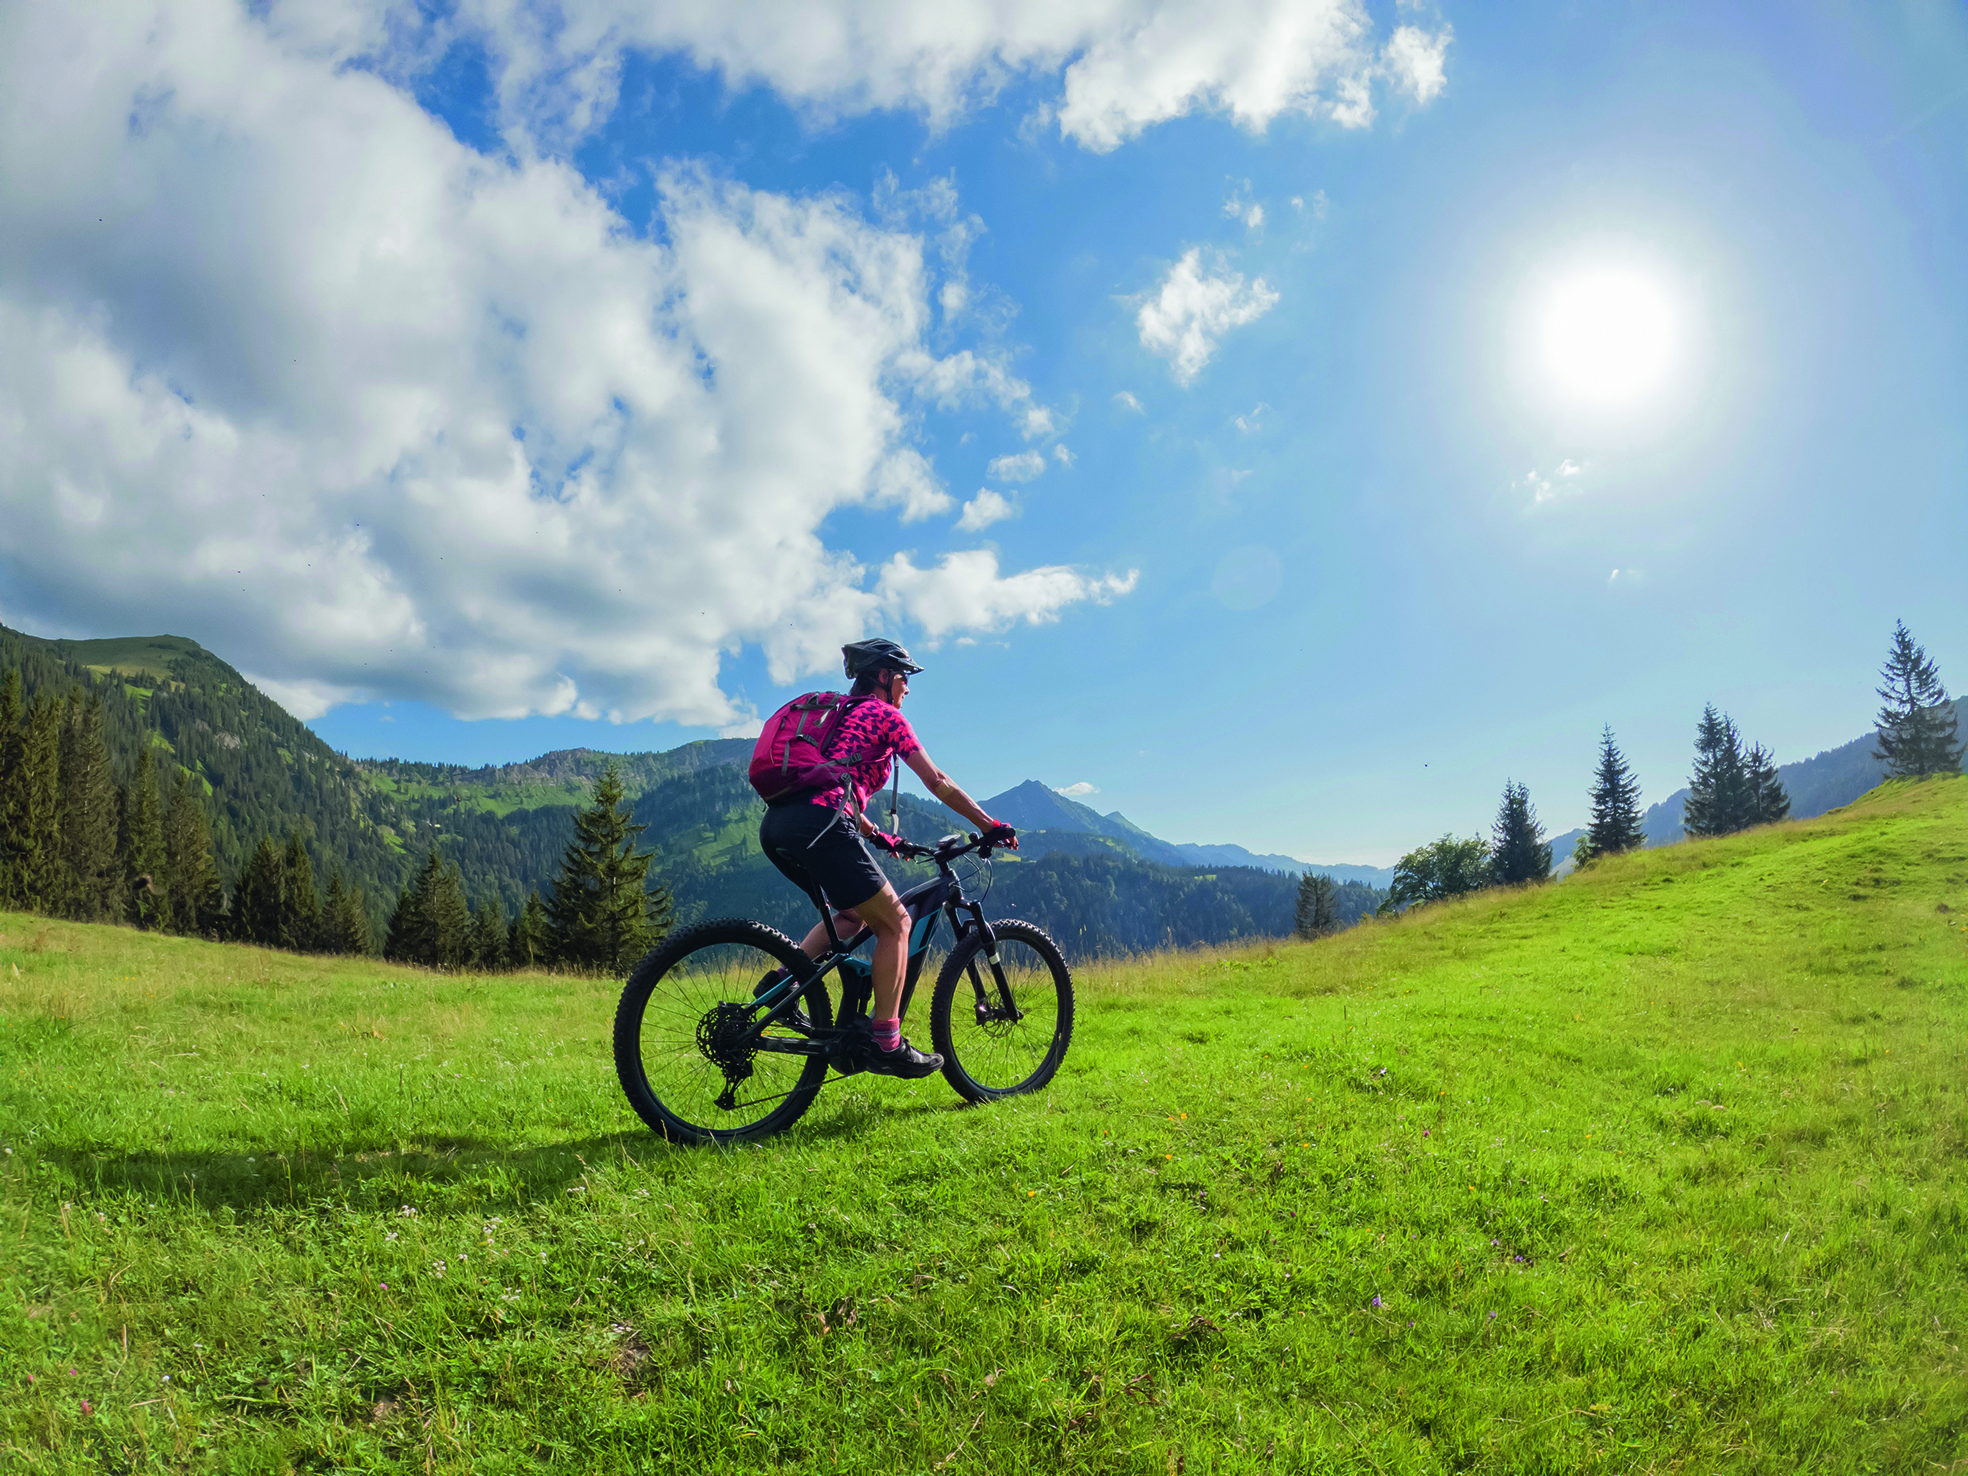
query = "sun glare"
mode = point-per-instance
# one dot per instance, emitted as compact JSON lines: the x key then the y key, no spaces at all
{"x":1609,"y":336}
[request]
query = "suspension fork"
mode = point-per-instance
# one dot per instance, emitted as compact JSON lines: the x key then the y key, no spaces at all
{"x":990,"y":950}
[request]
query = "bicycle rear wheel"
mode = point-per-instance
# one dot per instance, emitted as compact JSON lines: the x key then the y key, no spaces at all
{"x":990,"y":1051}
{"x":684,"y":1047}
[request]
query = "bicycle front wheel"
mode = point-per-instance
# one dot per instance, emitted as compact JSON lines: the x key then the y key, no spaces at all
{"x":993,"y":1045}
{"x":686,"y":1047}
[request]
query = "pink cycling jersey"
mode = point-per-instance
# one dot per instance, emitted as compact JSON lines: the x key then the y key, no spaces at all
{"x":874,"y":731}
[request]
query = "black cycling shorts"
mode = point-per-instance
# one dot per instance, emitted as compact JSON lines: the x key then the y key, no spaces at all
{"x":821,"y":851}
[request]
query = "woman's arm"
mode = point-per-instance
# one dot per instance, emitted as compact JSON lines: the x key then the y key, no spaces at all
{"x":940,"y":784}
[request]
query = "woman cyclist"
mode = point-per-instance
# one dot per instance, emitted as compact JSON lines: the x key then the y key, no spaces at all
{"x":816,"y":839}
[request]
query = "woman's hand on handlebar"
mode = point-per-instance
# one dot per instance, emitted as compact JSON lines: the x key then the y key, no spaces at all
{"x":1000,"y":834}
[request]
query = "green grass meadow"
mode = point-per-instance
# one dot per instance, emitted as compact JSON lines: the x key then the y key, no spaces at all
{"x":1660,"y":1168}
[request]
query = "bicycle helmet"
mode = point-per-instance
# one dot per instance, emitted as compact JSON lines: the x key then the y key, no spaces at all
{"x":873,"y":655}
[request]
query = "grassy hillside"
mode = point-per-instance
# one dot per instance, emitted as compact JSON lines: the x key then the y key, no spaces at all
{"x":1660,"y":1168}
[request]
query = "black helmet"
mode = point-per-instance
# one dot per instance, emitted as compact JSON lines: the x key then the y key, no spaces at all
{"x":873,"y":655}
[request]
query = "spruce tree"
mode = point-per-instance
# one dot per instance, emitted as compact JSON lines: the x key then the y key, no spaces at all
{"x":13,"y":743}
{"x":192,"y":893}
{"x":1615,"y":823}
{"x":1316,"y":913}
{"x":1769,"y":802}
{"x":1518,"y":852}
{"x":344,"y":918}
{"x":431,"y":917}
{"x":91,"y":887}
{"x":1918,"y":727}
{"x":142,"y":846}
{"x":409,"y":939}
{"x":38,"y":869}
{"x":604,"y":915}
{"x":258,"y":908}
{"x":485,"y":938}
{"x":449,"y":919}
{"x":527,"y":938}
{"x":300,"y":904}
{"x":1720,"y":801}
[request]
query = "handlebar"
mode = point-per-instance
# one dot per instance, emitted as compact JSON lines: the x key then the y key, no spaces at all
{"x":950,"y":847}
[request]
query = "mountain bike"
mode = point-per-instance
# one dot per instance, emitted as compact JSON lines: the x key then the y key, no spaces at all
{"x":725,"y":1032}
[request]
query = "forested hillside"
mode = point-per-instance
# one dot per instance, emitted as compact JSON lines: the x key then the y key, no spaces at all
{"x":256,"y":770}
{"x":1101,"y":884}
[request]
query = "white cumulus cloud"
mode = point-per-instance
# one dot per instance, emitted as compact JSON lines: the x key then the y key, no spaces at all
{"x":1189,"y":313}
{"x":1121,"y":66}
{"x":966,"y":591}
{"x":1125,"y":400}
{"x":1020,"y":468}
{"x":986,"y":508}
{"x":287,"y":367}
{"x":1417,"y":62}
{"x":1077,"y":791}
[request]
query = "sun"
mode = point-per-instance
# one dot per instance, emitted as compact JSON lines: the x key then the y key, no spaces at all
{"x":1609,"y":336}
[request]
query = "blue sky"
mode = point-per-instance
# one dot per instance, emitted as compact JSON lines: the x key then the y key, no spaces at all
{"x":1615,"y":369}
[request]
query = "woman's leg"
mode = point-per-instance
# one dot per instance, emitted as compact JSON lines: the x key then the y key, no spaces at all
{"x":889,"y":920}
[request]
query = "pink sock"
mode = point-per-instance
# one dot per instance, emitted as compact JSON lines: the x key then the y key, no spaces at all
{"x":887,"y":1033}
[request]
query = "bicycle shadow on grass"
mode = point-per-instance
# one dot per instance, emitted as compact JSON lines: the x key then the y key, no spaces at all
{"x":467,"y":1173}
{"x":475,"y":1173}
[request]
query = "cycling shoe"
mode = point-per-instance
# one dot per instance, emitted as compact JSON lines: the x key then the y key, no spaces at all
{"x":904,"y":1061}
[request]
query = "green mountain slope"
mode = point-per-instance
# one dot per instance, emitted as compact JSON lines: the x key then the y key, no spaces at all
{"x":261,"y":772}
{"x":1826,"y":780}
{"x":1661,"y":1169}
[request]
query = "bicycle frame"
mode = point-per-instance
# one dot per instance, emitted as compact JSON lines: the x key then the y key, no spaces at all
{"x":941,"y":897}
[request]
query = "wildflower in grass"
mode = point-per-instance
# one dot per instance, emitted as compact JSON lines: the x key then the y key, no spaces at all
{"x":87,"y":1408}
{"x":1493,"y":1317}
{"x":1376,"y":1300}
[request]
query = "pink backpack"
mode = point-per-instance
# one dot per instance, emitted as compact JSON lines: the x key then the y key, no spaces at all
{"x":790,"y":755}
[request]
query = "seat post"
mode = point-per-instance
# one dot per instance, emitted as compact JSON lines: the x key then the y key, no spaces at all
{"x":827,"y":921}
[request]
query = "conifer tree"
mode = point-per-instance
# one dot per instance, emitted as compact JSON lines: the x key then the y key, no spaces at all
{"x":1918,"y":727}
{"x":1615,"y":823}
{"x":1316,"y":913}
{"x":344,"y":919}
{"x":1518,"y":852}
{"x":300,"y":904}
{"x":428,"y":926}
{"x":1720,"y":801}
{"x":91,"y":886}
{"x":449,"y":919}
{"x":38,"y":871}
{"x":13,"y":745}
{"x":258,"y":903}
{"x":142,"y":846}
{"x":1769,"y":802}
{"x":604,"y":915}
{"x":196,"y":901}
{"x":527,"y":938}
{"x":408,"y":940}
{"x":485,"y":938}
